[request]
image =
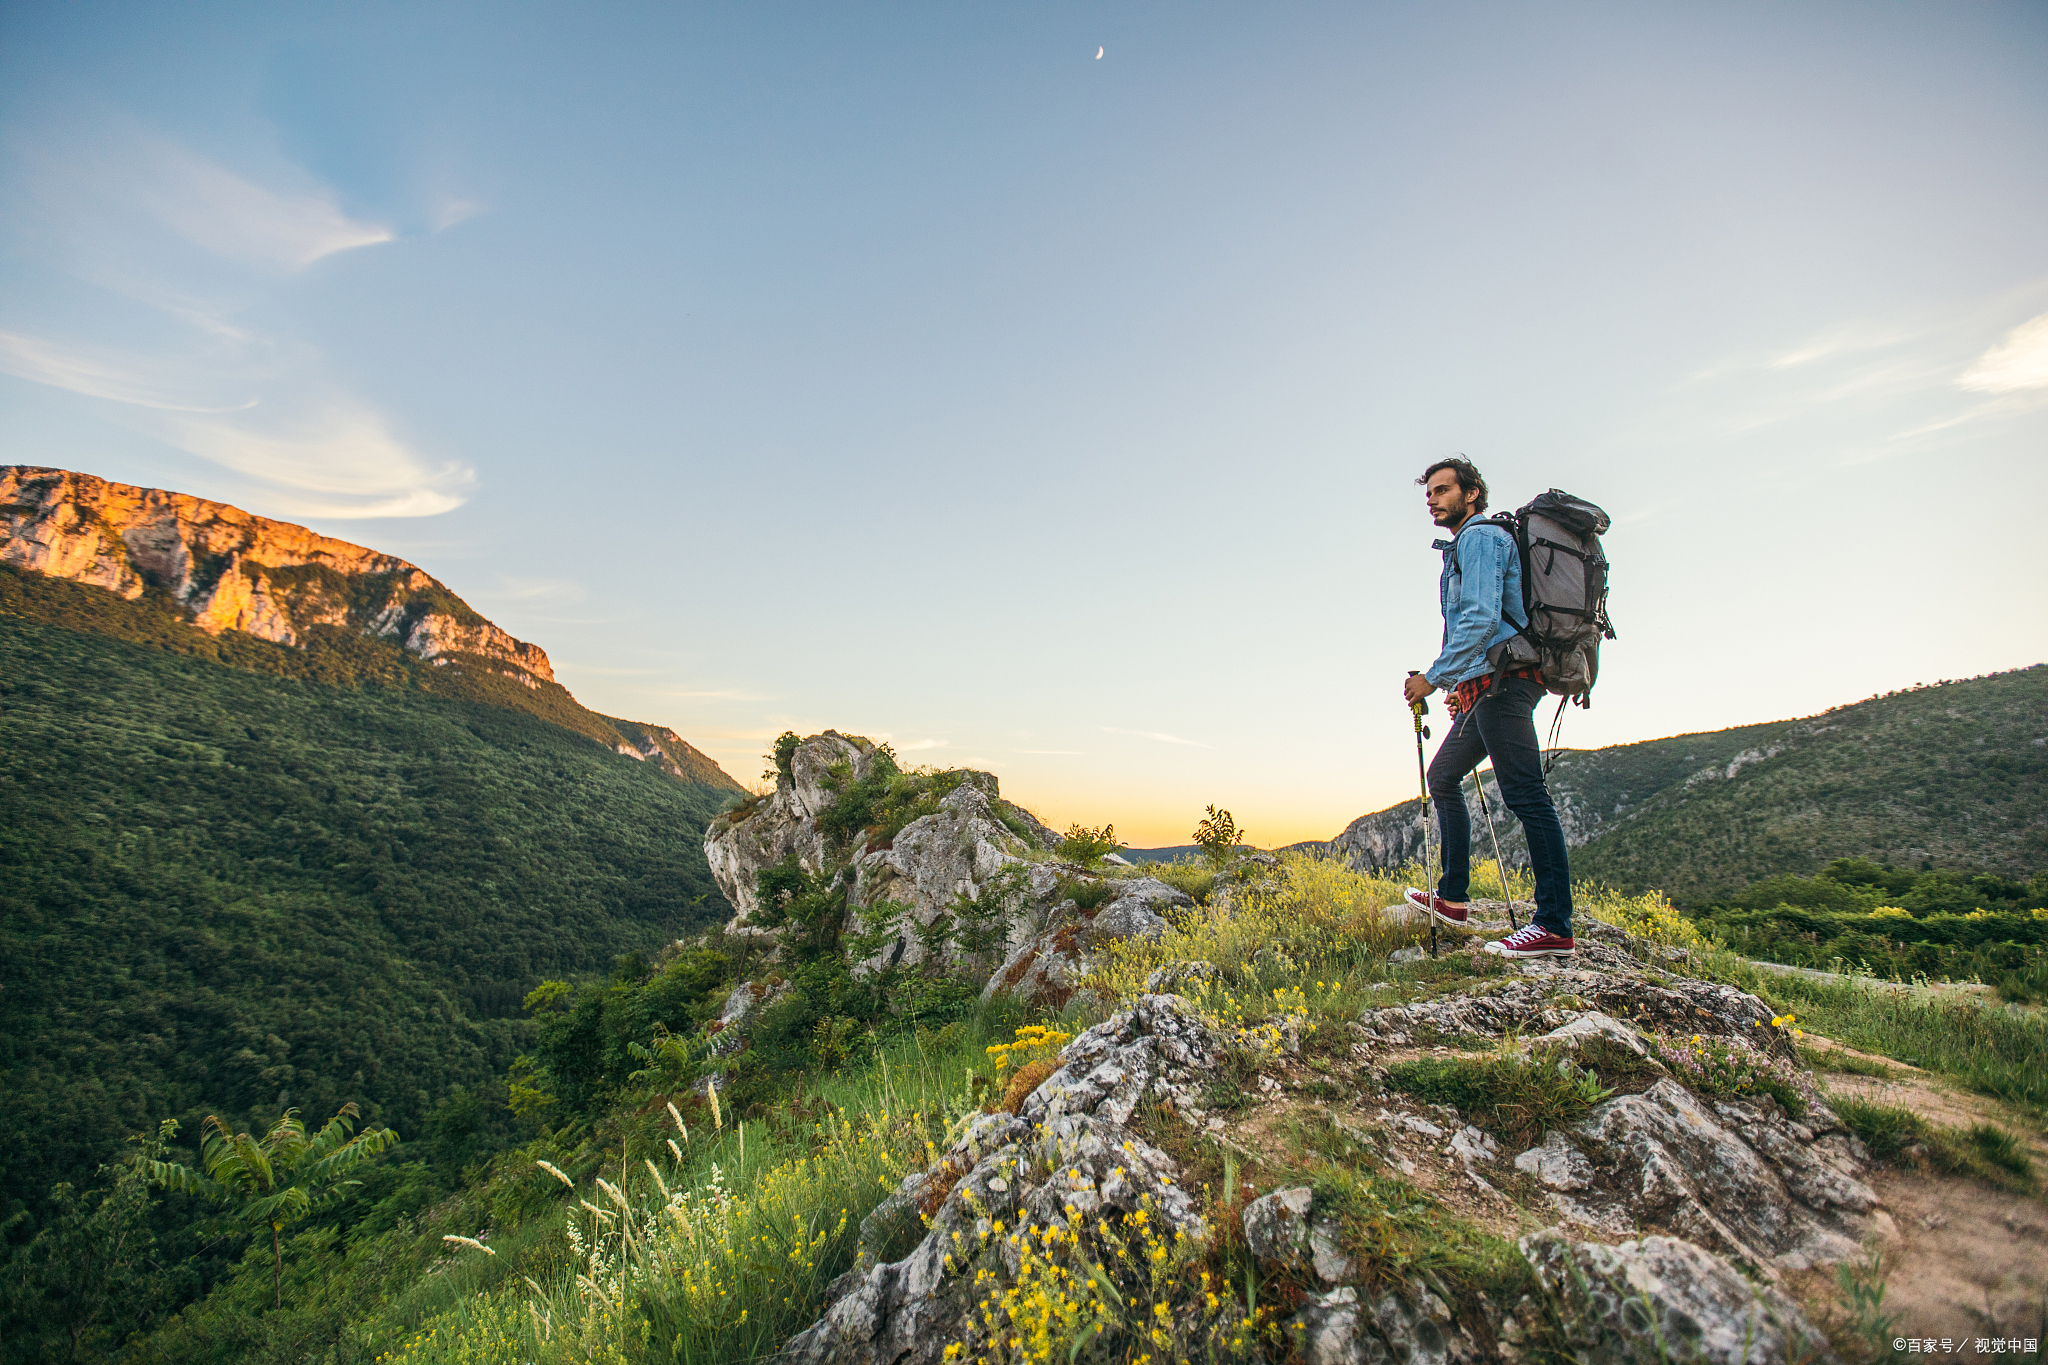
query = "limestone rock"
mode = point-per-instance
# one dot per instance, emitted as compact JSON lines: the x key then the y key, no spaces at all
{"x":1405,"y":1324}
{"x":741,"y":1007}
{"x":232,"y":570}
{"x":1047,"y":967}
{"x":743,"y":843}
{"x":1176,"y":977}
{"x":1603,"y":978}
{"x":1067,"y":1153}
{"x":936,"y":861}
{"x":1276,"y":1225}
{"x":1591,"y":1039}
{"x":1661,"y":1299}
{"x":1737,"y":1177}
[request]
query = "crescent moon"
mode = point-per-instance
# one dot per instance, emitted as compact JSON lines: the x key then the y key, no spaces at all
{"x":1098,"y":54}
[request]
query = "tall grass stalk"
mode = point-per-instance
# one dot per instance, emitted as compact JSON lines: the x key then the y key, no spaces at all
{"x":722,"y":1251}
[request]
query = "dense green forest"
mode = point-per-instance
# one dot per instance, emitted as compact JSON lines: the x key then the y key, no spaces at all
{"x":229,"y":889}
{"x":1895,"y":923}
{"x":1950,"y":776}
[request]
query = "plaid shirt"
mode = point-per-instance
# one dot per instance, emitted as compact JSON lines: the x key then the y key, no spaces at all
{"x":1466,"y":694}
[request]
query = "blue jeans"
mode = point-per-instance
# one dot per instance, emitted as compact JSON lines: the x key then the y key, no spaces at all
{"x":1502,"y":727}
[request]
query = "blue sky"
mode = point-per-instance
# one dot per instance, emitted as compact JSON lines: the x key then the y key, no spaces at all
{"x":911,"y":369}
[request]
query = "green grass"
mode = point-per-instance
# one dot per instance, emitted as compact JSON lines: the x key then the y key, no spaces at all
{"x":1994,"y":1050}
{"x":1514,"y":1098}
{"x":1894,"y":1134}
{"x":1830,"y":1060}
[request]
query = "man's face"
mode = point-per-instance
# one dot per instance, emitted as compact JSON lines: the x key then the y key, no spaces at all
{"x":1448,"y":504}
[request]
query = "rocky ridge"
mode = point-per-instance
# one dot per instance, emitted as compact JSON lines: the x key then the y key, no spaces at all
{"x":231,"y":570}
{"x":975,"y":854}
{"x":1661,"y":1223}
{"x":222,"y":569}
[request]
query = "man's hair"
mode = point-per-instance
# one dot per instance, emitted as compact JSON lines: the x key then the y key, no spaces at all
{"x":1468,"y":480}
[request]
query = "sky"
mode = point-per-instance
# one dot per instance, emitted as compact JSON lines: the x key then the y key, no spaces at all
{"x":1042,"y":387}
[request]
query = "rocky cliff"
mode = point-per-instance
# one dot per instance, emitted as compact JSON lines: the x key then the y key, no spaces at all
{"x":231,"y":570}
{"x":228,"y":573}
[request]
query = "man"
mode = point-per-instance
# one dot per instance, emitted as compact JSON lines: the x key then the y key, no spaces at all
{"x":1481,"y":597}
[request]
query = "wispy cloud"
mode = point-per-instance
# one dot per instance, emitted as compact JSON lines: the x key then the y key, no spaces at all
{"x":97,"y":374}
{"x":1153,"y":735}
{"x":562,"y":592}
{"x":2018,"y":362}
{"x":118,"y":207}
{"x":214,"y":208}
{"x":447,"y":211}
{"x":1846,"y":340}
{"x":1067,"y":752}
{"x":916,"y":744}
{"x":112,"y":170}
{"x":339,"y":462}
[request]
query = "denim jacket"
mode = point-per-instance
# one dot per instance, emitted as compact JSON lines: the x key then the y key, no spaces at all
{"x":1470,"y":594}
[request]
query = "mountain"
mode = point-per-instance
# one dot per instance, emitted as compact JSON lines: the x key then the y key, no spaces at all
{"x":284,"y":822}
{"x":239,"y":581}
{"x":1952,"y":775}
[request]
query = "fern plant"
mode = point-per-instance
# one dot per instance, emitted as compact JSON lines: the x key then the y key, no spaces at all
{"x":278,"y":1179}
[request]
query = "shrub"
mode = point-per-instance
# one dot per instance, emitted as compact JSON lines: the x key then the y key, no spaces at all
{"x":1218,"y":835}
{"x":1084,"y":845}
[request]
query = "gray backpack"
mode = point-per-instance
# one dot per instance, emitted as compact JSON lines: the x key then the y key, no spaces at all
{"x":1564,"y":594}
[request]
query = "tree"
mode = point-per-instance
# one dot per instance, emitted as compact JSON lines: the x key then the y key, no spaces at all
{"x":93,"y":1273}
{"x":1218,"y":836}
{"x":280,"y":1178}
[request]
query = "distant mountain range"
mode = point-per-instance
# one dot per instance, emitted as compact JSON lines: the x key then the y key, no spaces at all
{"x":1953,"y":775}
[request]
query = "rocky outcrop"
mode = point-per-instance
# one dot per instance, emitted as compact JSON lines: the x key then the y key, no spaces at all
{"x":760,"y":834}
{"x":975,"y":864}
{"x":1661,"y":1300}
{"x":1542,"y":997}
{"x":1738,"y":1177}
{"x":231,"y":570}
{"x":1048,"y":964}
{"x":1068,"y":1161}
{"x":1677,"y":1213}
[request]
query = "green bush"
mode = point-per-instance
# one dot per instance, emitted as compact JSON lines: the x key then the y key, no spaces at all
{"x":1084,"y":845}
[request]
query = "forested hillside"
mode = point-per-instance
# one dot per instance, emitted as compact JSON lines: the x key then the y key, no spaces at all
{"x":1952,"y":776}
{"x":290,"y":876}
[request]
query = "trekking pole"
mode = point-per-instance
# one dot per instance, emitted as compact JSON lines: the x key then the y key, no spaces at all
{"x":1420,"y":709}
{"x":1498,"y":861}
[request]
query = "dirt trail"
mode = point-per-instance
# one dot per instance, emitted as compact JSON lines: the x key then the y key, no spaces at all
{"x":1969,"y":1261}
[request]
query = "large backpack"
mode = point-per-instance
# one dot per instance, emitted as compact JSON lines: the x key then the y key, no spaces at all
{"x":1564,"y":593}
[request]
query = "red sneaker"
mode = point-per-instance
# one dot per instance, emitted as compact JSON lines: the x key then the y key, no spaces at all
{"x":1431,"y":903}
{"x":1532,"y":940}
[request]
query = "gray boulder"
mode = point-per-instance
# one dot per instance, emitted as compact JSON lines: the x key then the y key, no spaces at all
{"x":1736,"y":1176}
{"x":1066,"y":1160}
{"x":1663,"y":1301}
{"x":1403,"y":1324}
